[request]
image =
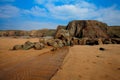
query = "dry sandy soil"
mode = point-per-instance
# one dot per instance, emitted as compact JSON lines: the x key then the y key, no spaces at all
{"x":89,"y":63}
{"x":28,"y":64}
{"x":81,"y":63}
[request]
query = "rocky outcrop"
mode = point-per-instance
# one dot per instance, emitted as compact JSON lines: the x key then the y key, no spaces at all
{"x":13,"y":33}
{"x":114,"y":31}
{"x":78,"y":32}
{"x":87,"y":28}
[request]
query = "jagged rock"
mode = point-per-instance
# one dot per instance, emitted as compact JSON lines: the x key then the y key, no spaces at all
{"x":91,"y":42}
{"x":87,"y":28}
{"x":83,"y":41}
{"x":50,"y":42}
{"x":59,"y":42}
{"x":107,"y":41}
{"x":17,"y":47}
{"x":75,"y":41}
{"x":39,"y":46}
{"x":62,"y":34}
{"x":100,"y":41}
{"x":114,"y":31}
{"x":28,"y":45}
{"x":115,"y":40}
{"x":64,"y":42}
{"x":54,"y":44}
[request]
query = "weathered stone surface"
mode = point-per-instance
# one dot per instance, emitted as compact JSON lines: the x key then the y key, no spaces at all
{"x":91,"y":42}
{"x":28,"y":45}
{"x":114,"y":31}
{"x":38,"y":46}
{"x":100,"y":41}
{"x":62,"y":34}
{"x":107,"y":41}
{"x":87,"y":28}
{"x":17,"y":47}
{"x":115,"y":40}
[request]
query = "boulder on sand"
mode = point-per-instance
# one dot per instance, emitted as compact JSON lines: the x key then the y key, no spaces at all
{"x":17,"y":47}
{"x":38,"y":46}
{"x":28,"y":45}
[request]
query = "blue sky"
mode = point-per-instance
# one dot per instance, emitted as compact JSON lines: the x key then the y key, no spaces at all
{"x":38,"y":14}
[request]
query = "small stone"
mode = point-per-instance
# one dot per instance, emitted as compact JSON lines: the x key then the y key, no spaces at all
{"x":118,"y":68}
{"x":102,"y":49}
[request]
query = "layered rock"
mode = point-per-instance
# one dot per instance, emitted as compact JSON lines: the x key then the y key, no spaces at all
{"x":114,"y":31}
{"x":87,"y":28}
{"x":61,"y":33}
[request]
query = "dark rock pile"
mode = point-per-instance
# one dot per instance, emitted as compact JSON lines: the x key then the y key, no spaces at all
{"x":28,"y":45}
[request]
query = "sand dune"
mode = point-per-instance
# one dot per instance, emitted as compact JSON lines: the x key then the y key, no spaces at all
{"x":89,"y":63}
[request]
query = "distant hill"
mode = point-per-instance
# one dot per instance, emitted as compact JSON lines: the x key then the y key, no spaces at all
{"x":32,"y":33}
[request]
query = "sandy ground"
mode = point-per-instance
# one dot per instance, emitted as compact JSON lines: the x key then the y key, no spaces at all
{"x":89,"y":63}
{"x":82,"y":62}
{"x":28,"y":64}
{"x":9,"y":58}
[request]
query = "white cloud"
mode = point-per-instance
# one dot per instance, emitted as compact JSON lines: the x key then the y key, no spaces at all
{"x":69,"y":10}
{"x":36,"y":11}
{"x":72,"y":11}
{"x":8,"y":11}
{"x":85,"y":10}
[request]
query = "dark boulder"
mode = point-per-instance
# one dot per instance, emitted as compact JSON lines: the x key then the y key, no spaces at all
{"x":91,"y":42}
{"x":115,"y":40}
{"x":102,"y":49}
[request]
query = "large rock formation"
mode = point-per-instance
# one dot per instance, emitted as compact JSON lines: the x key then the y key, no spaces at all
{"x":61,"y":33}
{"x":114,"y":31}
{"x":87,"y":28}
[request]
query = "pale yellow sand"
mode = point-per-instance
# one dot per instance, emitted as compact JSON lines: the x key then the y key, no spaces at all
{"x":89,"y":63}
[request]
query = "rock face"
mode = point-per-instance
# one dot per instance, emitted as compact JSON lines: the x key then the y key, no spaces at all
{"x":114,"y":31}
{"x":62,"y":34}
{"x":87,"y":28}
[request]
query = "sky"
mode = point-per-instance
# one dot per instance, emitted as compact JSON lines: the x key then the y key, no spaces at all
{"x":39,"y":14}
